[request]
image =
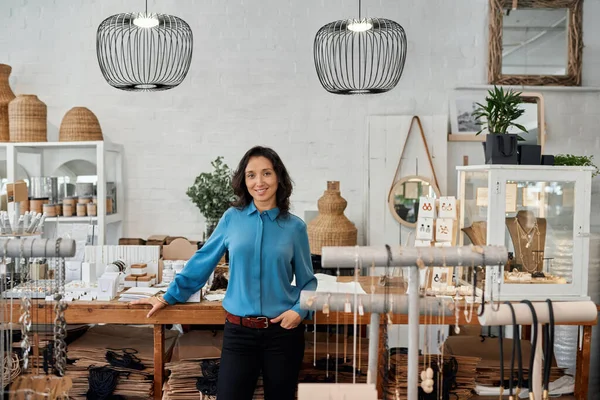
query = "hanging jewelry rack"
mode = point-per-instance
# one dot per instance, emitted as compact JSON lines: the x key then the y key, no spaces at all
{"x":348,"y":257}
{"x":31,"y":381}
{"x":564,"y":312}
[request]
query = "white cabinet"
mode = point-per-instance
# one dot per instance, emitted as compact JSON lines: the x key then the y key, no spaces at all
{"x":542,"y":215}
{"x":101,"y":161}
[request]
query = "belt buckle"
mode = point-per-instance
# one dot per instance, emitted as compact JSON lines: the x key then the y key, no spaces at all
{"x":265,"y":319}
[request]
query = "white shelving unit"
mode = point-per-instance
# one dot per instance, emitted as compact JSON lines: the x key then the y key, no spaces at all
{"x":43,"y":158}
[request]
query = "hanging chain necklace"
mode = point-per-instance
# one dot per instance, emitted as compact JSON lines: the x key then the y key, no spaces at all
{"x":60,"y":324}
{"x":530,"y":236}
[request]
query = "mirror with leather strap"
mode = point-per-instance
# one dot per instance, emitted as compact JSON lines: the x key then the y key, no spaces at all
{"x":404,"y":194}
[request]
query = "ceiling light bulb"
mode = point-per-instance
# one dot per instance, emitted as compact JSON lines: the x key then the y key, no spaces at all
{"x":360,"y":26}
{"x":146,"y":20}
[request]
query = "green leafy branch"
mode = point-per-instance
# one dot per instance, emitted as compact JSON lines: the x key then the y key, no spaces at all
{"x":212,"y":192}
{"x":572,"y":160}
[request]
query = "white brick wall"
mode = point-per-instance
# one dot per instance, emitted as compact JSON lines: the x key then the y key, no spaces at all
{"x":252,"y":81}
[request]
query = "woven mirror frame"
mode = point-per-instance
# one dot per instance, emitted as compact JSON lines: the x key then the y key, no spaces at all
{"x":574,"y":43}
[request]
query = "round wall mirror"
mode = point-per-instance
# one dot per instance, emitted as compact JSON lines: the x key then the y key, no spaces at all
{"x":404,"y":195}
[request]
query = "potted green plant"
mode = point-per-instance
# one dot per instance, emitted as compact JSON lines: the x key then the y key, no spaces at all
{"x":212,"y":193}
{"x":497,"y":115}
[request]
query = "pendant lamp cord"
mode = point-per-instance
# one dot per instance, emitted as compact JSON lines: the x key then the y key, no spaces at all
{"x":359,"y":3}
{"x":146,"y":7}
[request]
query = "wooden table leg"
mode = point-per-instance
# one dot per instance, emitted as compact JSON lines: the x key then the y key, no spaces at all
{"x":582,"y":373}
{"x":159,"y":351}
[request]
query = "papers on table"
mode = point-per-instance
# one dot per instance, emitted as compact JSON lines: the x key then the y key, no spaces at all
{"x":135,"y":293}
{"x":329,"y":284}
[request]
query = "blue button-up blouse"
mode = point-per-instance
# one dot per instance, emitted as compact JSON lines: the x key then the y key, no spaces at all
{"x":265,"y":253}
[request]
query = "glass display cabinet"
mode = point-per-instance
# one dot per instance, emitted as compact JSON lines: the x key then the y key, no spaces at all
{"x":542,"y":215}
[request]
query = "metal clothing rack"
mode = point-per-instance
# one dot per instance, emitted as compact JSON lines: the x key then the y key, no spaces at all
{"x":416,"y":257}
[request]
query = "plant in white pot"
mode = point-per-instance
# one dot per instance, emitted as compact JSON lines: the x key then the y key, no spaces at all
{"x":497,"y":115}
{"x":212,"y":193}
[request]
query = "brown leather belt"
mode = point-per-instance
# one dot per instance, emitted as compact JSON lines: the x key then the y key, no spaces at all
{"x":249,"y":322}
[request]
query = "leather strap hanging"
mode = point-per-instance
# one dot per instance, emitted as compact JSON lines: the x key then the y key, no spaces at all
{"x":416,"y":118}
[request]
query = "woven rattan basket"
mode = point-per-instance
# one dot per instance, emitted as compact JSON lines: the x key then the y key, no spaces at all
{"x":79,"y":124}
{"x":27,"y":119}
{"x":331,"y":227}
{"x":6,"y":96}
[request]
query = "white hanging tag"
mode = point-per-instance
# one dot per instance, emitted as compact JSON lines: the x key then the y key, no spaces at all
{"x":361,"y":310}
{"x":347,"y":307}
{"x":326,"y":308}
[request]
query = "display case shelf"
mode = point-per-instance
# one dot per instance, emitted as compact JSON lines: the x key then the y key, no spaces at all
{"x":541,"y":214}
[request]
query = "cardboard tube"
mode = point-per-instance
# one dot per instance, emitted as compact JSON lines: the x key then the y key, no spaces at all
{"x":573,"y":311}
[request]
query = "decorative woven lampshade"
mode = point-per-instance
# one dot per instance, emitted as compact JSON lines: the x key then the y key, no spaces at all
{"x":331,"y":227}
{"x":360,"y":56}
{"x":79,"y":124}
{"x":144,"y":51}
{"x":27,"y":117}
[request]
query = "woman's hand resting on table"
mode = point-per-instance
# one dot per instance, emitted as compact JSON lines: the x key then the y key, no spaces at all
{"x":289,"y":319}
{"x":153,"y":301}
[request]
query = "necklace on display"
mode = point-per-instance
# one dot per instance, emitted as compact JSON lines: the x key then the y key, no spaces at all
{"x":529,"y":234}
{"x":516,"y":353}
{"x":534,"y":324}
{"x":548,"y":334}
{"x":530,"y":237}
{"x":500,"y":340}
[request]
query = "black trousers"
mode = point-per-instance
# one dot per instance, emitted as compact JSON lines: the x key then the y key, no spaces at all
{"x":274,"y":351}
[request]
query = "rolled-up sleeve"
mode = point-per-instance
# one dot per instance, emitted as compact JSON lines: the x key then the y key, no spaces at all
{"x":198,"y":269}
{"x":303,"y":270}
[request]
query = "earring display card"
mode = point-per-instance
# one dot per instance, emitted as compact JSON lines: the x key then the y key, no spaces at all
{"x":443,"y":231}
{"x":447,"y":207}
{"x":425,"y":228}
{"x":439,"y":277}
{"x":426,"y":207}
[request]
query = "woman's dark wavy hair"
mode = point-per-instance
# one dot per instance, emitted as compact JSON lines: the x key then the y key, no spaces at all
{"x":285,"y":183}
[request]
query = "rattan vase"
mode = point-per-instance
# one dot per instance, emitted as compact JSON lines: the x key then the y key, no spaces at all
{"x":79,"y":124}
{"x":27,"y":119}
{"x":6,"y":96}
{"x":331,"y":227}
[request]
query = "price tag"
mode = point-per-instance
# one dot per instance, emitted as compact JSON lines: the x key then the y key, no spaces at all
{"x":347,"y":307}
{"x":326,"y":308}
{"x":361,"y":310}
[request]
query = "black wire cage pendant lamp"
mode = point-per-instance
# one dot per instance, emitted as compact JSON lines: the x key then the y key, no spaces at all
{"x":359,"y":56}
{"x":144,"y":51}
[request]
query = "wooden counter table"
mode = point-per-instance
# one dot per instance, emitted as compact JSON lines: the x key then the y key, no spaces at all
{"x":212,"y":313}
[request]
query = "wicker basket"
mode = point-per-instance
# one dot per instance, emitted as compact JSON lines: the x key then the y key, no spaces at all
{"x":27,"y":119}
{"x":6,"y":96}
{"x":79,"y":124}
{"x":331,"y":227}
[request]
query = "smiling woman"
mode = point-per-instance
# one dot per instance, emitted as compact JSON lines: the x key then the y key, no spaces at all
{"x":268,"y":248}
